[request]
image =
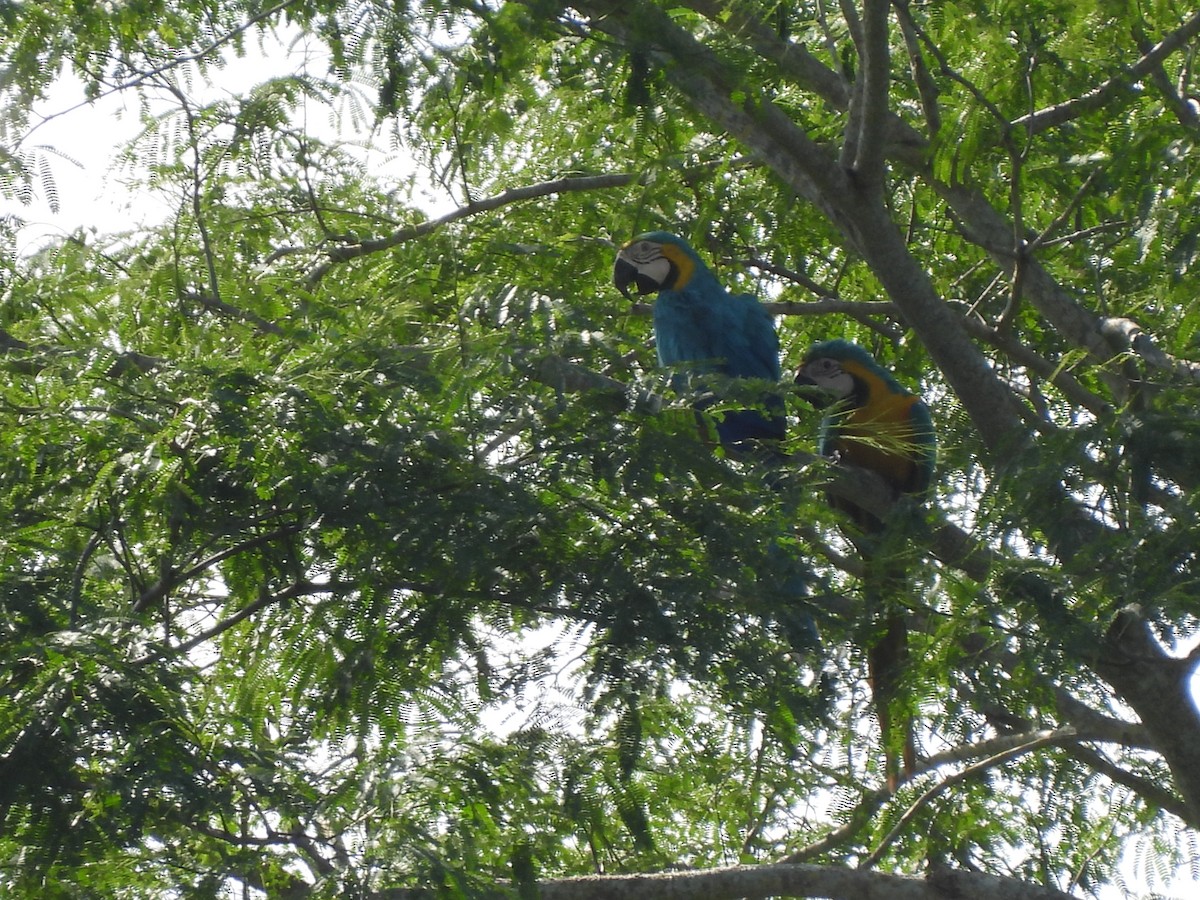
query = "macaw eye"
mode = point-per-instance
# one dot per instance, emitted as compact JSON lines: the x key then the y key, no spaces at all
{"x":825,"y":368}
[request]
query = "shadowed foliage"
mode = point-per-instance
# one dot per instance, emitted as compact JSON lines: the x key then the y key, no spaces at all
{"x":356,"y":544}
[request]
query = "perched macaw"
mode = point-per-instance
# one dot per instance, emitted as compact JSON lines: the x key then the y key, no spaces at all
{"x":873,"y":422}
{"x":699,"y":324}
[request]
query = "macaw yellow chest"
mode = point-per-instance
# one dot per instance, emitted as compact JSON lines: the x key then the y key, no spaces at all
{"x":880,"y":435}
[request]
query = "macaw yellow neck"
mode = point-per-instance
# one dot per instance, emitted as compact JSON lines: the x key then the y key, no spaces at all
{"x":878,"y":432}
{"x":685,"y":266}
{"x":881,"y":403}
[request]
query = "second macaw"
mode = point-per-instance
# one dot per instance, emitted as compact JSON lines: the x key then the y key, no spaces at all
{"x":874,"y":423}
{"x":700,"y":325}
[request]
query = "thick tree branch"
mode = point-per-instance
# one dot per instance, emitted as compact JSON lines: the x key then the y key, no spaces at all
{"x":864,"y":151}
{"x":1052,"y":372}
{"x":1183,"y":109}
{"x":1127,"y":335}
{"x":1097,"y":97}
{"x":1088,"y":725}
{"x":720,"y":95}
{"x":1150,"y":791}
{"x":1084,"y":719}
{"x":781,"y":880}
{"x":983,"y":224}
{"x":1158,"y":687}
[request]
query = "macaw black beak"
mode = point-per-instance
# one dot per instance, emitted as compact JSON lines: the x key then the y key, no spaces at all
{"x":626,"y":273}
{"x":818,"y":399}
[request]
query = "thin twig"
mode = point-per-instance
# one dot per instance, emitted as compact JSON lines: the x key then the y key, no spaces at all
{"x":299,"y":589}
{"x":513,"y":195}
{"x":1042,"y":239}
{"x":927,"y":88}
{"x":197,"y":193}
{"x":1049,"y":737}
{"x":167,"y":66}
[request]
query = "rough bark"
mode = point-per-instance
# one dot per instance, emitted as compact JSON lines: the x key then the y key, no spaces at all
{"x":1158,"y":687}
{"x":783,"y":880}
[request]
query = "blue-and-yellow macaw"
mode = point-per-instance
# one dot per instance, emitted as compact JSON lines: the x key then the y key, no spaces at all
{"x":874,"y":423}
{"x":699,"y":324}
{"x":871,"y":421}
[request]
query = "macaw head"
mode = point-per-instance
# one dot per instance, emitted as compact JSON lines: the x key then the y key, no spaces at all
{"x":842,"y":370}
{"x":654,"y":261}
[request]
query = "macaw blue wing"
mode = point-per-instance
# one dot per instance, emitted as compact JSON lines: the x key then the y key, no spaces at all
{"x":752,"y":344}
{"x":730,"y":335}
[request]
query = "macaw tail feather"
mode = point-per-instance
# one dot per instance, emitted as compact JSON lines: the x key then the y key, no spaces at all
{"x":745,"y":434}
{"x":885,"y":589}
{"x":887,"y":660}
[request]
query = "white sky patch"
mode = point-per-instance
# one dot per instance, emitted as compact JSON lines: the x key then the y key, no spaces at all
{"x":73,"y":146}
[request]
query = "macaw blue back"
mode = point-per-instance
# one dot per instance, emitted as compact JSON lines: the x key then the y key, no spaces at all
{"x":709,"y":329}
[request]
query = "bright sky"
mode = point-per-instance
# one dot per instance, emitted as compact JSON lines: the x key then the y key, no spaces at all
{"x":75,"y":149}
{"x":77,"y":142}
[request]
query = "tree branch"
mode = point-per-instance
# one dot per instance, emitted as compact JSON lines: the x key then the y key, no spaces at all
{"x":927,"y":89}
{"x":299,"y":589}
{"x":514,"y":195}
{"x":982,"y":224}
{"x":864,"y":311}
{"x":1127,"y":335}
{"x":1152,"y":792}
{"x":1061,"y":113}
{"x":720,"y":95}
{"x":220,"y":307}
{"x":741,"y":20}
{"x":157,"y":591}
{"x":1052,"y":372}
{"x":752,"y":882}
{"x":1046,"y":738}
{"x":1158,"y":687}
{"x":865,"y":151}
{"x":1183,"y":110}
